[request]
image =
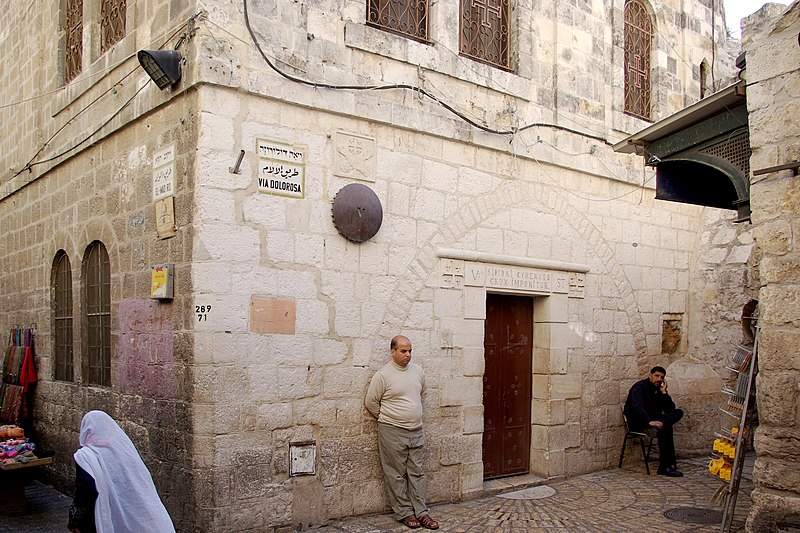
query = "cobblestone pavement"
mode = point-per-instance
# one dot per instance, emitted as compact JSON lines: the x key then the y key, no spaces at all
{"x":613,"y":501}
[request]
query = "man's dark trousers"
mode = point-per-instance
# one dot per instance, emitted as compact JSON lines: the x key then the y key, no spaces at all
{"x":666,"y":443}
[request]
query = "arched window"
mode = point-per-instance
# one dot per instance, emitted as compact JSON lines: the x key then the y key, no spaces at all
{"x":112,"y":23}
{"x":638,"y":42}
{"x":62,"y":317}
{"x":705,"y":84}
{"x":97,"y":303}
{"x":73,"y":31}
{"x":484,"y":31}
{"x":406,"y":17}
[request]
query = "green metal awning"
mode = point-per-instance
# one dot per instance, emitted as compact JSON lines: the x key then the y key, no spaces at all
{"x":701,"y":153}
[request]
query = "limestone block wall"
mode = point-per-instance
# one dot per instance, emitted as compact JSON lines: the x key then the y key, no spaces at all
{"x":567,"y":64}
{"x":106,"y":194}
{"x":50,"y":117}
{"x":725,"y":267}
{"x":772,"y":103}
{"x":267,"y":382}
{"x":279,"y":321}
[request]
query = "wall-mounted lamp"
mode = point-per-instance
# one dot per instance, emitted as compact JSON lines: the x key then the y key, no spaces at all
{"x":163,"y":66}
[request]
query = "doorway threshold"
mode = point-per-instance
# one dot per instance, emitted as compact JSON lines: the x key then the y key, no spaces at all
{"x":505,"y":484}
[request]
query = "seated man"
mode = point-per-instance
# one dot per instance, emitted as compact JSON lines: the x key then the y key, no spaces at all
{"x":649,"y":406}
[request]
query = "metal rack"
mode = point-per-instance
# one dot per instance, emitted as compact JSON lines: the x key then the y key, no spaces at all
{"x":739,"y":407}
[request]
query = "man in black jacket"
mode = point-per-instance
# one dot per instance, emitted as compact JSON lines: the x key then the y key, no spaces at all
{"x":649,"y":406}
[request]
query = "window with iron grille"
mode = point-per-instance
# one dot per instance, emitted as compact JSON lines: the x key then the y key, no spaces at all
{"x":73,"y":49}
{"x":406,"y":17}
{"x":62,"y":317}
{"x":638,"y":43}
{"x":112,"y":23}
{"x":97,"y":302}
{"x":484,"y":31}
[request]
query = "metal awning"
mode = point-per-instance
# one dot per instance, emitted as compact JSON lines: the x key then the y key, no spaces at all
{"x":729,"y":97}
{"x":701,"y":153}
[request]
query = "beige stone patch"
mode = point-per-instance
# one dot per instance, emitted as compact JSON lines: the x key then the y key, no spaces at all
{"x":272,"y":315}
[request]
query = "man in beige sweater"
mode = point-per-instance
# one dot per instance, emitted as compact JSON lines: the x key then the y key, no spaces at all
{"x":394,"y":397}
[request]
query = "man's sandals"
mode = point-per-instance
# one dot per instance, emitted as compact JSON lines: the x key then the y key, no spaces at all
{"x":428,"y":522}
{"x":410,"y":521}
{"x":425,"y":521}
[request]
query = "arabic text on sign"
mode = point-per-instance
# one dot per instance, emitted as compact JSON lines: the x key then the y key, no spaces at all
{"x":163,"y":182}
{"x":280,"y":170}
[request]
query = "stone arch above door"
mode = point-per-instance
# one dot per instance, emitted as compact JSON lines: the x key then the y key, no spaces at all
{"x":508,"y":195}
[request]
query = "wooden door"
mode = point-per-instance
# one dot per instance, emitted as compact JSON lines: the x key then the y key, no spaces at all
{"x":508,"y":352}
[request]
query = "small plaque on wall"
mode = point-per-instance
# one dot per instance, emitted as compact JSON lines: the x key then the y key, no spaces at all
{"x":281,"y":169}
{"x":303,"y":458}
{"x":165,"y":217}
{"x":161,"y":281}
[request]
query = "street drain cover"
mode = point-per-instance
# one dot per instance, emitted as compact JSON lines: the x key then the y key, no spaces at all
{"x":694,"y":515}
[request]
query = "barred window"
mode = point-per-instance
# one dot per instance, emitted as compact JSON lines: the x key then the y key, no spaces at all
{"x":62,"y":317}
{"x":73,"y":49}
{"x":484,"y":31}
{"x":406,"y":17}
{"x":97,"y":303}
{"x":638,"y":43}
{"x":112,"y":23}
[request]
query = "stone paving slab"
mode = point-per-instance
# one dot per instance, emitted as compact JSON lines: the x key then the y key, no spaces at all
{"x":611,"y":501}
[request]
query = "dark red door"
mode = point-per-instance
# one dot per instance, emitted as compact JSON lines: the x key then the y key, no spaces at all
{"x":508,"y":352}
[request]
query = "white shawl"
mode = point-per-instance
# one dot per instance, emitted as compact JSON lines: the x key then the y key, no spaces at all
{"x":127,"y":500}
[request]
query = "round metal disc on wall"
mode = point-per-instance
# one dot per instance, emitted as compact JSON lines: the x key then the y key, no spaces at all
{"x":357,"y":212}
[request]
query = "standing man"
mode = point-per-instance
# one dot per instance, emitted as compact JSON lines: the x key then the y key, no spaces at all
{"x":649,"y":406}
{"x":394,"y":397}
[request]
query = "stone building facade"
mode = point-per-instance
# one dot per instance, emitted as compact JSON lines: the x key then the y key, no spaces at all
{"x":770,"y":42}
{"x":498,"y":187}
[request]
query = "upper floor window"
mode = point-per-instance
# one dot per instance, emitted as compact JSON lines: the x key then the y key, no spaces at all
{"x":638,"y":43}
{"x":705,"y":84}
{"x":97,"y":303}
{"x":484,"y":31}
{"x":73,"y":48}
{"x":112,"y":22}
{"x":406,"y":17}
{"x":62,"y":317}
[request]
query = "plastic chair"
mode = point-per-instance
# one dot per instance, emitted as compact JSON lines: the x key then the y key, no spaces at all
{"x":649,"y":436}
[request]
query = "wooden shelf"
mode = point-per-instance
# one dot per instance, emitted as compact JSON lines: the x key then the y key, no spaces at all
{"x":32,"y":462}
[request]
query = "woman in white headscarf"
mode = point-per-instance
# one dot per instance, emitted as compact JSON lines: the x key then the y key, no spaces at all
{"x":126,"y":499}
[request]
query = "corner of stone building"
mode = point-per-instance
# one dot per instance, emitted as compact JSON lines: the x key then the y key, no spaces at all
{"x":769,"y":512}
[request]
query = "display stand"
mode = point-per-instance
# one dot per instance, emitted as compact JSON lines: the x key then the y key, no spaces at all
{"x":16,"y":409}
{"x":730,"y":448}
{"x":19,"y":378}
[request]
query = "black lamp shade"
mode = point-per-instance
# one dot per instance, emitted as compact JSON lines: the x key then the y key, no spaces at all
{"x":163,"y":66}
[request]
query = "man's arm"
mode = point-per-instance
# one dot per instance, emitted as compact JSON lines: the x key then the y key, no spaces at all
{"x":667,"y":403}
{"x":372,"y":401}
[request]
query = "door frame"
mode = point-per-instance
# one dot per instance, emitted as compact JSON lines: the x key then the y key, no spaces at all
{"x":550,"y":383}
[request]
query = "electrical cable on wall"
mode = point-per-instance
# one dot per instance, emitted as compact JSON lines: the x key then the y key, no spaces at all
{"x":420,"y":91}
{"x":31,"y":163}
{"x":543,"y":169}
